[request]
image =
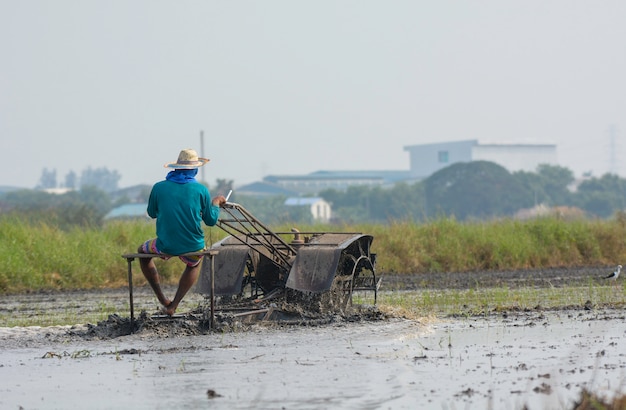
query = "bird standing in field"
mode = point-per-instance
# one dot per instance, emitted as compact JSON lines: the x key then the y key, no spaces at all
{"x":613,"y":276}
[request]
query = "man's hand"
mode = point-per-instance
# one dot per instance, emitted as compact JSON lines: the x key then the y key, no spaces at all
{"x":219,"y":200}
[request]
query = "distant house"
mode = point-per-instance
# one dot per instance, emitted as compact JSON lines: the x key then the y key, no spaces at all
{"x":129,"y":211}
{"x":426,"y":159}
{"x":541,"y":210}
{"x":57,"y":191}
{"x":313,"y":183}
{"x":320,"y":209}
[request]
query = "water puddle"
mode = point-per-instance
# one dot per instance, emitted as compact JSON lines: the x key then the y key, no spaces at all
{"x":539,"y":360}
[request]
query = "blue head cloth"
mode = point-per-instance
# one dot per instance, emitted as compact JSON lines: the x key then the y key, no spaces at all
{"x":182,"y":176}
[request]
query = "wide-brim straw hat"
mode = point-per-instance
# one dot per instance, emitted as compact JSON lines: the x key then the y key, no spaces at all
{"x":187,"y":159}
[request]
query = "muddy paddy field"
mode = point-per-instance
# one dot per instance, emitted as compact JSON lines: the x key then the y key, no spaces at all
{"x":366,"y":359}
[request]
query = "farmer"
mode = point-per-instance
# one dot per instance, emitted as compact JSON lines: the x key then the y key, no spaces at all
{"x":180,"y":204}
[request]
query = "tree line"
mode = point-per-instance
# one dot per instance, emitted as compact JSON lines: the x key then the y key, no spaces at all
{"x":480,"y":190}
{"x":466,"y":191}
{"x":101,"y":178}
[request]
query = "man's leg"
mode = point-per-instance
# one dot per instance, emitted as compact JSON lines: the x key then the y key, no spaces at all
{"x":152,"y":276}
{"x":187,"y":280}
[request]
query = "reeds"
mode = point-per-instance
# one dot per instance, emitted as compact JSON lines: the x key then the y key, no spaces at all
{"x":446,"y":245}
{"x":38,"y":256}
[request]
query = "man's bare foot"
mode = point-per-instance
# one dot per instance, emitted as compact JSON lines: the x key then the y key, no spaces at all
{"x":168,"y":310}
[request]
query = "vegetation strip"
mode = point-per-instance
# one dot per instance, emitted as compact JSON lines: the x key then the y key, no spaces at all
{"x":37,"y":256}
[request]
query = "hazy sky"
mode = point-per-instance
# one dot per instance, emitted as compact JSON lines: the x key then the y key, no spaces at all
{"x":291,"y":87}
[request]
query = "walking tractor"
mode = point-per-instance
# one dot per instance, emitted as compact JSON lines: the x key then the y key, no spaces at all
{"x":261,"y":273}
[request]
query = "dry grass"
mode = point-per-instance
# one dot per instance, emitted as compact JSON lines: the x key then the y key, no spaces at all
{"x":591,"y":401}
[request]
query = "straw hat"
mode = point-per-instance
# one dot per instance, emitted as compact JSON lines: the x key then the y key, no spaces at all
{"x":187,"y":159}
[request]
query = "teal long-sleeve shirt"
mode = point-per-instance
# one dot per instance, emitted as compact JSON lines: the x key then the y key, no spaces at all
{"x":179,"y":210}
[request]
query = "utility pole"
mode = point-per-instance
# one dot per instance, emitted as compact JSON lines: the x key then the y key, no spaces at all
{"x":202,"y":153}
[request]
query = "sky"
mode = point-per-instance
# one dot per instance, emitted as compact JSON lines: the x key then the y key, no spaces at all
{"x":292,"y":87}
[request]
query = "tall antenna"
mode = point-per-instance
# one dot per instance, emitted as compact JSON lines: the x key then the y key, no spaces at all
{"x":613,"y":149}
{"x":202,"y":153}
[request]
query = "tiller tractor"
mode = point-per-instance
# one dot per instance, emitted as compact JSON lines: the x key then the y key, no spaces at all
{"x":256,"y":269}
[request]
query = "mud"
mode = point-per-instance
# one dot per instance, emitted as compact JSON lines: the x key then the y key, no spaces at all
{"x":359,"y":359}
{"x":528,"y":278}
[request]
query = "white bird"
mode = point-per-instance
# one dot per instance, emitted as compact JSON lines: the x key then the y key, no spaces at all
{"x":614,"y":275}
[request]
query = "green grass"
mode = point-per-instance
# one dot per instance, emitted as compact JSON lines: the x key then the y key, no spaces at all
{"x":68,"y":315}
{"x":446,"y":245}
{"x":44,"y":318}
{"x":36,"y":256}
{"x":471,"y":302}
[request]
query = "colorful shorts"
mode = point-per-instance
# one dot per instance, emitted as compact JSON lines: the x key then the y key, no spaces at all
{"x":149,"y":246}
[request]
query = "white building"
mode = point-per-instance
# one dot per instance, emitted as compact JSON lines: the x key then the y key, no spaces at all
{"x":320,"y":209}
{"x":427,"y":159}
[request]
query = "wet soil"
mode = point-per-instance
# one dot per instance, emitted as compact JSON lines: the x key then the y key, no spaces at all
{"x":195,"y":307}
{"x":550,"y":277}
{"x":359,"y":358}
